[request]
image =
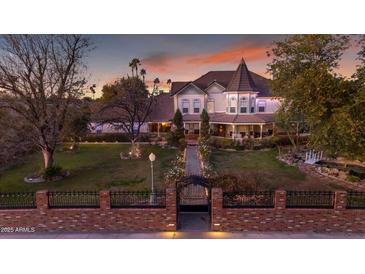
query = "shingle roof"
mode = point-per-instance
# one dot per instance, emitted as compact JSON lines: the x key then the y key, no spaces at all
{"x":224,"y":78}
{"x":229,"y":118}
{"x":241,"y":79}
{"x":163,"y":110}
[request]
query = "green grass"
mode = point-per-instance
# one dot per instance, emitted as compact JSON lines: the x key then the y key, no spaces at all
{"x":93,"y":167}
{"x":274,"y":173}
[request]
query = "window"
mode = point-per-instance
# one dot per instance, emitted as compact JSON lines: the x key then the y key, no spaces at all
{"x":252,"y":104}
{"x":232,"y":103}
{"x":196,"y":105}
{"x":210,"y":106}
{"x":185,"y":106}
{"x":261,"y":106}
{"x":243,"y":105}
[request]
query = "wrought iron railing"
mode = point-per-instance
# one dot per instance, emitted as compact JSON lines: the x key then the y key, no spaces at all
{"x":73,"y":199}
{"x":257,"y":199}
{"x":14,"y":200}
{"x":309,"y":199}
{"x":128,"y":199}
{"x":356,"y":200}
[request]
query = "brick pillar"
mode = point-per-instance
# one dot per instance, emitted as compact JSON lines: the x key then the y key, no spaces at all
{"x":280,"y":199}
{"x":171,"y":221}
{"x":340,"y":200}
{"x":104,"y":199}
{"x":41,"y":199}
{"x":216,"y":209}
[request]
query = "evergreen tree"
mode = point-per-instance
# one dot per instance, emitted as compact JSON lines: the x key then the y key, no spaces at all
{"x":204,"y":126}
{"x":177,"y":136}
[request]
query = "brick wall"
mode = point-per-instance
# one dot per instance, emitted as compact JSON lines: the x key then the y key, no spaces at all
{"x":279,"y":218}
{"x":44,"y":219}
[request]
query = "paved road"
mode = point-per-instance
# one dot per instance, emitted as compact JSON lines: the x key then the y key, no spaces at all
{"x":181,"y":235}
{"x":192,"y":164}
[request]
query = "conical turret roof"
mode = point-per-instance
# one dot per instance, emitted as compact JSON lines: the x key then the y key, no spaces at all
{"x":241,"y":79}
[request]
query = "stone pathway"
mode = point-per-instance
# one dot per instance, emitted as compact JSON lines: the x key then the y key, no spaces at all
{"x":192,"y":163}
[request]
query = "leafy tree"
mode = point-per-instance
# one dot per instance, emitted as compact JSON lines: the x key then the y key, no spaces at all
{"x":303,"y":74}
{"x":126,"y":105}
{"x":77,"y":124}
{"x":291,"y":123}
{"x":40,"y":78}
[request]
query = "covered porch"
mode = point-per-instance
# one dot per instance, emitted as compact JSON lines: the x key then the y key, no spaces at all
{"x":242,"y":131}
{"x":159,"y":128}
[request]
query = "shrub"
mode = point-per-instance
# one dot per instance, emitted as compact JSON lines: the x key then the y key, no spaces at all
{"x":219,"y":142}
{"x":113,"y":137}
{"x":244,"y":181}
{"x":51,"y":172}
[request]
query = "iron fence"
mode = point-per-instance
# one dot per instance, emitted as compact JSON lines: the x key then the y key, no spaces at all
{"x":356,"y":200}
{"x":128,"y":199}
{"x":14,"y":200}
{"x":257,"y":199}
{"x":73,"y":199}
{"x":309,"y":199}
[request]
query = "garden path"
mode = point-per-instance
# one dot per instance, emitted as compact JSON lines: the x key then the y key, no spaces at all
{"x":192,"y":164}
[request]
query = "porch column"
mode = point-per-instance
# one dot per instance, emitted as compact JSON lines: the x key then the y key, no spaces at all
{"x":273,"y":129}
{"x":261,"y":126}
{"x":233,"y":131}
{"x":158,"y":129}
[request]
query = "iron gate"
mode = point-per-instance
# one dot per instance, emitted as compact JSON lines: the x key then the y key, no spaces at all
{"x":193,"y":194}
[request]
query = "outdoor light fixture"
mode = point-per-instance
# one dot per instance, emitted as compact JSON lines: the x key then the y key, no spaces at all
{"x":152,"y":158}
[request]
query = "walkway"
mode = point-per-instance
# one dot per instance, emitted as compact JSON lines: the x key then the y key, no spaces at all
{"x":182,"y":235}
{"x":192,"y":164}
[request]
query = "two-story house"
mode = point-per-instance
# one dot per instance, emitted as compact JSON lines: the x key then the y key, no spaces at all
{"x":239,"y":103}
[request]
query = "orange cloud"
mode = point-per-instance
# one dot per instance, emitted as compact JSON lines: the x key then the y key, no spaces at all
{"x":183,"y":66}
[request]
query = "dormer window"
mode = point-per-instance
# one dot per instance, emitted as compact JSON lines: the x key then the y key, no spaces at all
{"x":185,"y":106}
{"x":196,"y":105}
{"x":243,"y":105}
{"x":261,"y":106}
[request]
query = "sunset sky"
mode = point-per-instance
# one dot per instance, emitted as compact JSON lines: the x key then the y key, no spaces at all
{"x":184,"y":57}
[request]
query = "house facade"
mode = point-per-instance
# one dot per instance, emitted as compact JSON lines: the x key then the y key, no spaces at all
{"x":239,"y":103}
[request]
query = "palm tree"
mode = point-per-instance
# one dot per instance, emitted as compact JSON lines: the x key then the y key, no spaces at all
{"x":134,"y":65}
{"x":143,"y":73}
{"x":169,"y":83}
{"x":93,"y":91}
{"x":156,"y":83}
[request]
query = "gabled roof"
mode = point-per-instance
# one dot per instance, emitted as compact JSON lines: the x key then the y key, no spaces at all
{"x":241,"y":79}
{"x":244,"y":79}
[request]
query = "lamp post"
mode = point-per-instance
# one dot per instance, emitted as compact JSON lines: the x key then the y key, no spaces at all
{"x":152,"y":158}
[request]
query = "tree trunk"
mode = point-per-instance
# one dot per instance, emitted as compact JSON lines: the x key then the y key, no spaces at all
{"x":47,"y":158}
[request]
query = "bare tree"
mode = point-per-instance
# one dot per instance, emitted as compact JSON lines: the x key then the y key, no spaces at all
{"x":126,"y":105}
{"x":40,"y":77}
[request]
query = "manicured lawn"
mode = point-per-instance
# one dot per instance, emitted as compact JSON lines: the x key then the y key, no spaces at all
{"x":273,"y":173}
{"x":93,"y":167}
